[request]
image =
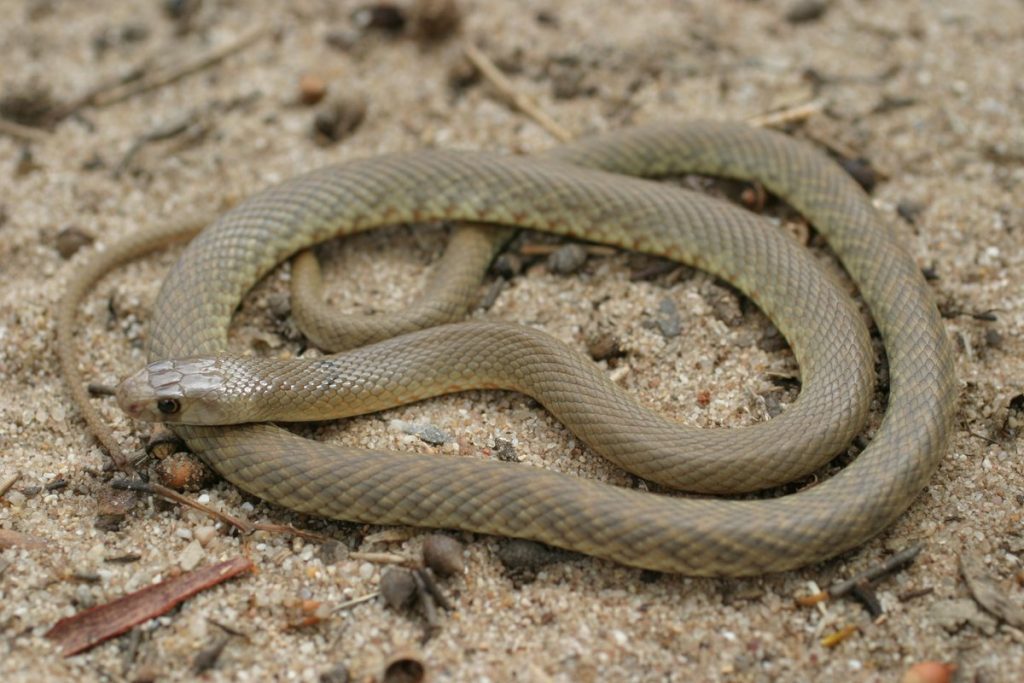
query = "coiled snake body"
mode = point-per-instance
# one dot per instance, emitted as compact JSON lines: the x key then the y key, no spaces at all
{"x":688,"y":535}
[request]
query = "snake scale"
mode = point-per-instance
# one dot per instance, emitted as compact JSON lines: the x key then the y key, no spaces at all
{"x":582,"y":190}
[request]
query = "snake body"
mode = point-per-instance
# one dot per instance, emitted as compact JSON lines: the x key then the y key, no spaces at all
{"x":577,"y":191}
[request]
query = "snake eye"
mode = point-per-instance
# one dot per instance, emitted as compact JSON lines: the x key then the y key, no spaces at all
{"x":168,"y":406}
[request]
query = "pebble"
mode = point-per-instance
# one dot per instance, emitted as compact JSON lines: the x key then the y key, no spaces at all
{"x":342,"y":39}
{"x":567,"y":259}
{"x":336,"y":674}
{"x":434,"y":20}
{"x":505,"y":450}
{"x":338,"y":118}
{"x":380,"y":16}
{"x":205,"y":534}
{"x":427,"y":433}
{"x":443,"y":554}
{"x":667,"y":319}
{"x":519,"y":554}
{"x":191,"y":556}
{"x":84,"y":597}
{"x":70,"y":239}
{"x":398,"y":587}
{"x":993,"y":339}
{"x":112,"y":505}
{"x":366,"y":570}
{"x":909,"y":210}
{"x":312,"y":88}
{"x":803,"y":11}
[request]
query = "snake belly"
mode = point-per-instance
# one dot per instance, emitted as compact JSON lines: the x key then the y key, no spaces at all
{"x":576,"y":192}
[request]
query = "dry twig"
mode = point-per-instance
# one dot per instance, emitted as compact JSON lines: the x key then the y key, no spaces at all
{"x":243,"y":526}
{"x":90,"y":627}
{"x":496,"y":78}
{"x":869,"y":576}
{"x":800,"y":112}
{"x":24,"y":133}
{"x":171,"y":74}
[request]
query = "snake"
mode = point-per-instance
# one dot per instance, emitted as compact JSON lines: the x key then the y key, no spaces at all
{"x":583,"y":190}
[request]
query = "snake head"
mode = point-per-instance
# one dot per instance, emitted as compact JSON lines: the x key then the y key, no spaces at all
{"x":181,"y":391}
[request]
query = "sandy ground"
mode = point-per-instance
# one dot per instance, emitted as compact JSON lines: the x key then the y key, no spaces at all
{"x":930,"y":92}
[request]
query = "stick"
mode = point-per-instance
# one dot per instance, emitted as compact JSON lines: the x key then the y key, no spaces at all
{"x":25,"y":133}
{"x":173,"y":74}
{"x":243,"y":526}
{"x":490,"y":71}
{"x":356,"y":601}
{"x":379,"y":558}
{"x":800,"y":112}
{"x":92,"y":626}
{"x":897,"y":561}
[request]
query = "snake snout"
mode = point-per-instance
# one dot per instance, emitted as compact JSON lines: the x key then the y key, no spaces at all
{"x":135,"y":396}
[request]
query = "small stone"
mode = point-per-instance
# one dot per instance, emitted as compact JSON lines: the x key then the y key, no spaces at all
{"x":339,"y":118}
{"x":381,"y":16}
{"x":803,"y":11}
{"x":398,"y":587}
{"x":332,"y":552}
{"x":179,"y":9}
{"x":342,"y":39}
{"x":505,"y":450}
{"x":567,"y":259}
{"x":909,"y":211}
{"x":191,"y":556}
{"x":112,"y":506}
{"x":604,"y":346}
{"x":427,"y":433}
{"x":667,"y":320}
{"x":993,"y":339}
{"x":70,"y":239}
{"x":312,"y":88}
{"x":462,"y":73}
{"x":443,"y":554}
{"x":205,"y":534}
{"x":518,"y":554}
{"x":84,"y":597}
{"x":366,"y":570}
{"x":434,"y":20}
{"x":134,"y":33}
{"x":16,"y":499}
{"x":30,"y":105}
{"x":336,"y":674}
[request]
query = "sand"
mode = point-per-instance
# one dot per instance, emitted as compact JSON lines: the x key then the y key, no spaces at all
{"x":930,"y":92}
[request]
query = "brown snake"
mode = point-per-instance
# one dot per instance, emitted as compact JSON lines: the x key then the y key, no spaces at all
{"x":688,"y":535}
